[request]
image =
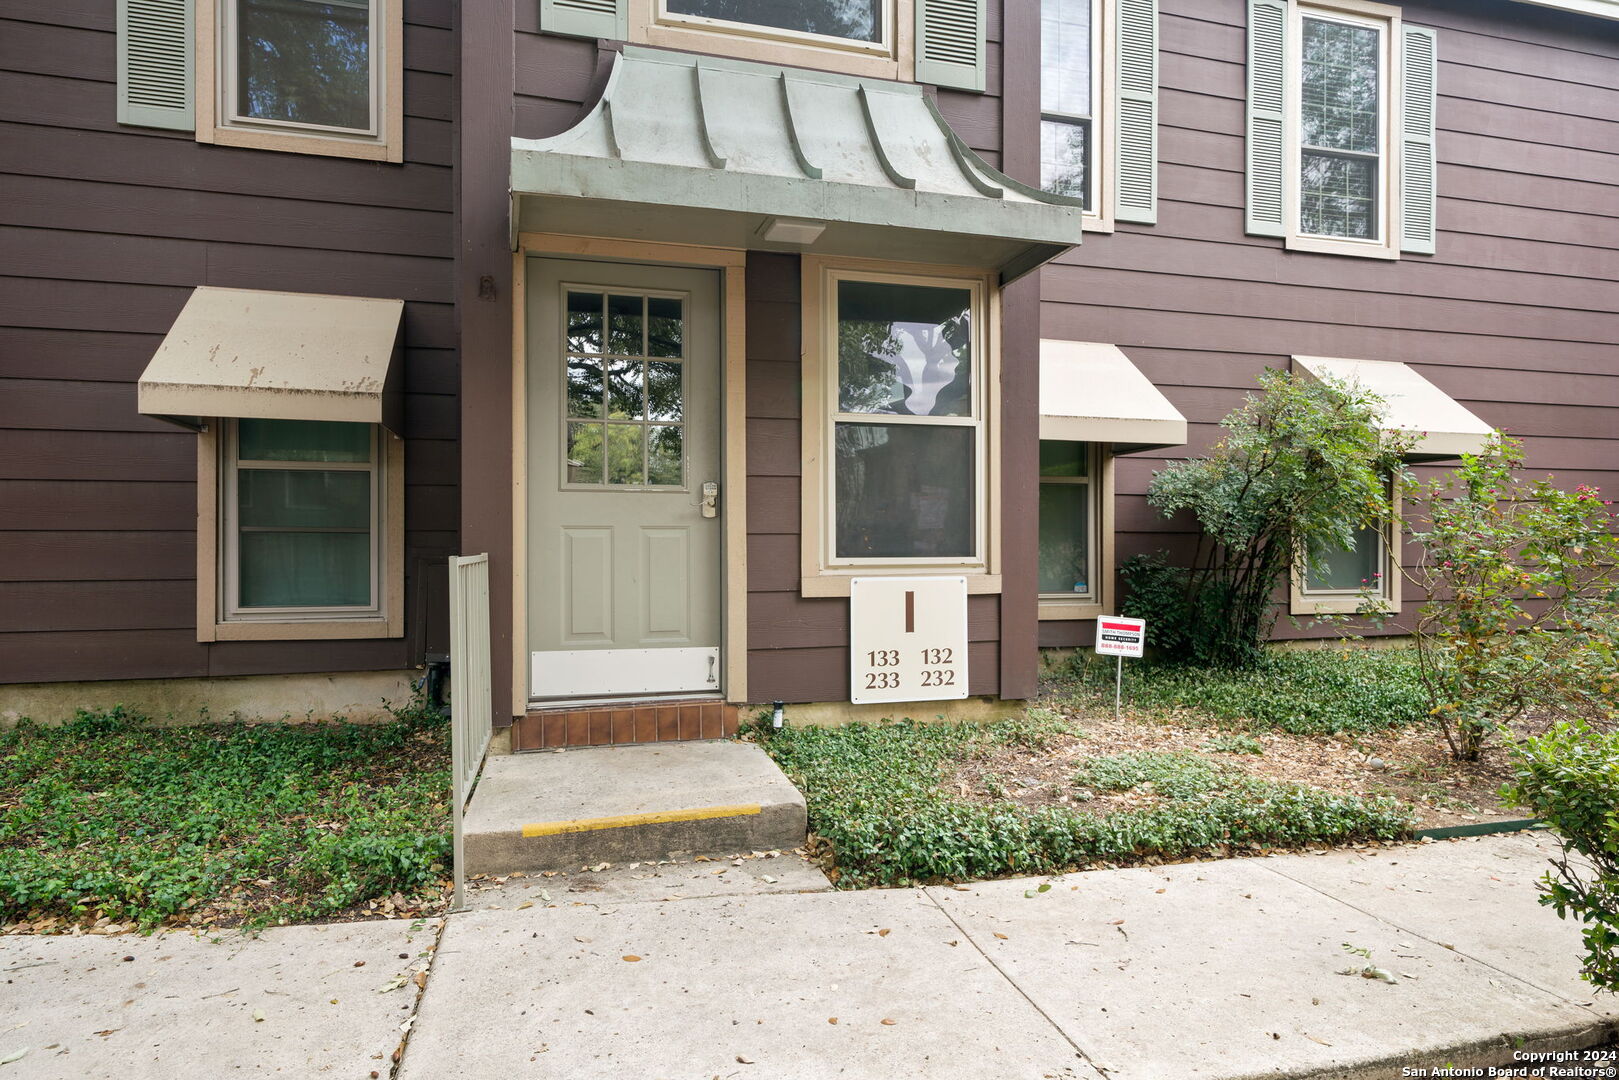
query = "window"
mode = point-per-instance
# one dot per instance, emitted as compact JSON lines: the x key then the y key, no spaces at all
{"x":841,"y":23}
{"x":305,"y":523}
{"x":871,"y":38}
{"x":1343,"y":581}
{"x":1070,"y":96}
{"x":314,"y":76}
{"x":898,"y":381}
{"x":1069,"y":484}
{"x":1343,"y":109}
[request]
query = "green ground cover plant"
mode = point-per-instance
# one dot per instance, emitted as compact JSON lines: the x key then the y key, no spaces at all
{"x":1299,"y":691}
{"x":879,"y":795}
{"x":110,"y":816}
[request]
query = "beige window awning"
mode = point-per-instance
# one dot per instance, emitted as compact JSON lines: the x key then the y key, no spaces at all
{"x":275,"y":355}
{"x":1444,"y":428}
{"x":1091,"y":392}
{"x":729,"y":153}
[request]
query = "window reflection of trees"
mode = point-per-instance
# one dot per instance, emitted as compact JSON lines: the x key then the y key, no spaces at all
{"x":854,"y":20}
{"x":304,"y":62}
{"x":1340,"y":129}
{"x":904,"y":349}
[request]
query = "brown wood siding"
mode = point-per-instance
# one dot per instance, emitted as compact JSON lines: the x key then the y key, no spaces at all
{"x":104,"y":230}
{"x":1517,"y":315}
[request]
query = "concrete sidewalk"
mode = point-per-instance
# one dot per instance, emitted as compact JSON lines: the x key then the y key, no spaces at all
{"x":1226,"y":969}
{"x":742,"y":968}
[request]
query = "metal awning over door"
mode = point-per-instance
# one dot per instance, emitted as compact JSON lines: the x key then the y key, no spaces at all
{"x":726,"y":153}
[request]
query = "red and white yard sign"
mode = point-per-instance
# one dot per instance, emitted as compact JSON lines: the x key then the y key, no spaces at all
{"x":1120,"y":636}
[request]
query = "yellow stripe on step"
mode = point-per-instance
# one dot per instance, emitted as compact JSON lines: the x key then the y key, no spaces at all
{"x":653,"y":817}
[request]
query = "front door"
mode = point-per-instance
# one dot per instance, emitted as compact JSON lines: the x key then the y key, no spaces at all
{"x":623,"y":479}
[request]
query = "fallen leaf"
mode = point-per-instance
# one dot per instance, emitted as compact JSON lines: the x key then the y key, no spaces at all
{"x":1313,"y":1039}
{"x":631,"y":959}
{"x":420,"y":979}
{"x":1116,"y":922}
{"x":359,"y":963}
{"x":740,"y":1060}
{"x":952,"y":944}
{"x":889,"y":1023}
{"x":767,"y":879}
{"x":393,"y":984}
{"x":525,"y":904}
{"x":884,"y":932}
{"x":17,"y":1055}
{"x":1002,"y":936}
{"x":258,"y":1016}
{"x":832,"y":1020}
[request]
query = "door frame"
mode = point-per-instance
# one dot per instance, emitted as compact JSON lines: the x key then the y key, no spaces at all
{"x":731,"y":262}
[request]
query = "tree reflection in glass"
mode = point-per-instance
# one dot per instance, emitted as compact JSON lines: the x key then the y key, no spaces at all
{"x":904,"y":349}
{"x":304,"y":62}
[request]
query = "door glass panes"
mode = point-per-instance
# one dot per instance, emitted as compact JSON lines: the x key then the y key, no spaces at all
{"x":1066,"y":518}
{"x":304,"y":62}
{"x":626,"y":407}
{"x":304,"y":514}
{"x":1067,"y":71}
{"x":852,"y":20}
{"x":1340,"y":129}
{"x":1353,"y":570}
{"x":904,"y":490}
{"x":904,"y":349}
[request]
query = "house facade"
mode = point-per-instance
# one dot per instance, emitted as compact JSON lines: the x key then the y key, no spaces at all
{"x":701,"y":316}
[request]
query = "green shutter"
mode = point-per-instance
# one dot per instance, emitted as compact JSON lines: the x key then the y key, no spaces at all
{"x":1267,"y":68}
{"x":156,"y":64}
{"x":586,"y":18}
{"x":1136,"y":82}
{"x":950,"y":43}
{"x":1419,"y":170}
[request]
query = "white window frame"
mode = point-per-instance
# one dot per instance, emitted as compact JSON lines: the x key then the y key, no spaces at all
{"x":651,"y":23}
{"x":824,"y":573}
{"x":220,"y":121}
{"x":1099,"y":599}
{"x":1306,"y":600}
{"x":1386,"y":21}
{"x":1103,"y":120}
{"x":220,"y":618}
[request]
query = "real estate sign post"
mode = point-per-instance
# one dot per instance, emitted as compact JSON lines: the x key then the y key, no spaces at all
{"x":1118,"y":637}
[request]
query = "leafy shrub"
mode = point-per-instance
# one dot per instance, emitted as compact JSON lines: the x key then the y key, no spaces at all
{"x":1303,"y":465}
{"x":1520,"y":586}
{"x":1569,"y":777}
{"x":1300,"y":691}
{"x":1235,"y":744}
{"x":875,"y":793}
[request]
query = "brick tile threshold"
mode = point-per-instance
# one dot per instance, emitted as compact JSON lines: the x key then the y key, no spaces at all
{"x":643,"y":722}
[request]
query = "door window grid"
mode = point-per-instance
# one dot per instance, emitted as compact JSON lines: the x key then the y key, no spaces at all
{"x":624,"y":390}
{"x":1070,"y":90}
{"x":1069,"y":482}
{"x":298,"y":472}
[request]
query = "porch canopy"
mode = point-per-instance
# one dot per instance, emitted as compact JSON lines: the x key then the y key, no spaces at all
{"x":727,"y":153}
{"x":1444,"y":428}
{"x":1091,"y":392}
{"x":275,"y":355}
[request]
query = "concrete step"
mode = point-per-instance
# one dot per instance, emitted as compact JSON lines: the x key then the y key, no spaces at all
{"x":617,"y":804}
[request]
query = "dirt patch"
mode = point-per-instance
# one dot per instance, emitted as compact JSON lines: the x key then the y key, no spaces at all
{"x":1412,"y":765}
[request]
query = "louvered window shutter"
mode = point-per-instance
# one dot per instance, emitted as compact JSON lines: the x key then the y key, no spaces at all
{"x":1419,"y":170}
{"x":156,"y":64}
{"x":1137,"y":87}
{"x":1267,"y":67}
{"x":950,"y":43}
{"x":586,"y":18}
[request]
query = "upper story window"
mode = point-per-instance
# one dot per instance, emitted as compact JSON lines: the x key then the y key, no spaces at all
{"x":310,"y":76}
{"x":1070,"y":93}
{"x":301,"y":64}
{"x":857,"y":24}
{"x":1343,"y":125}
{"x":1342,"y":97}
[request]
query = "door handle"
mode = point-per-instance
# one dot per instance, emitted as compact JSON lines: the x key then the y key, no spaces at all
{"x":711,"y":499}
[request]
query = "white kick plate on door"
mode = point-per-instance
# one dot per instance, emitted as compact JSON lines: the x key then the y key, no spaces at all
{"x":613,"y":672}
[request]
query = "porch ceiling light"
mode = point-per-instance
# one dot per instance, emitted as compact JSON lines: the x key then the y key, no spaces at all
{"x":798,"y":231}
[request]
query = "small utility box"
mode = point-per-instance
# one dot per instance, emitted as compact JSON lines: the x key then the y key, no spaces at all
{"x":907,"y":639}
